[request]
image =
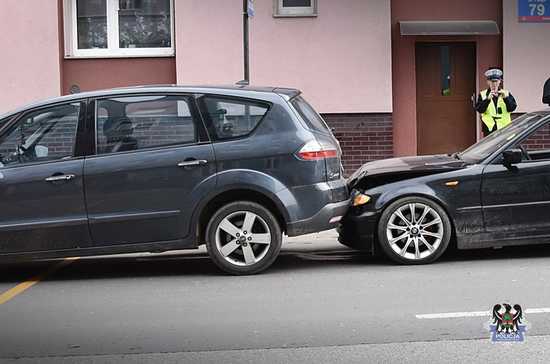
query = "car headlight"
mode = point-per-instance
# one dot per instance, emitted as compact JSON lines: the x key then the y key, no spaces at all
{"x":360,"y":199}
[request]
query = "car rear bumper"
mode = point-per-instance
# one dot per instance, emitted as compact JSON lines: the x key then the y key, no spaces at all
{"x":359,"y":231}
{"x":327,"y":218}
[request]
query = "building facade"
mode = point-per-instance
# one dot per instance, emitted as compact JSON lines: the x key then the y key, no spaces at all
{"x":391,"y":77}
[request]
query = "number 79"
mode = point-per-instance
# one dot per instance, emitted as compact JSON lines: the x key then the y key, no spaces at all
{"x":537,"y":9}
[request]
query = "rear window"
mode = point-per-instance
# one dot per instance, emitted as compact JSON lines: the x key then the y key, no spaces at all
{"x":233,"y":118}
{"x":311,"y":117}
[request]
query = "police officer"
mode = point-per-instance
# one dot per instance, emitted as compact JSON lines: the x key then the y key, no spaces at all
{"x":546,"y":93}
{"x":495,"y":104}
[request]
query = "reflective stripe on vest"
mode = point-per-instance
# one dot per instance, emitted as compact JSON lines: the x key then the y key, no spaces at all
{"x":490,"y":116}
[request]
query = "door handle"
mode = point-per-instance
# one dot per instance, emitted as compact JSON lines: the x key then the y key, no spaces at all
{"x":193,"y":163}
{"x":61,"y":177}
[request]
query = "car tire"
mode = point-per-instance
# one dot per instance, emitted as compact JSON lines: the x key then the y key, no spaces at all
{"x":238,"y":249}
{"x":419,"y":240}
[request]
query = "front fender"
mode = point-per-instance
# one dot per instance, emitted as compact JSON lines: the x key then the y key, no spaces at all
{"x":389,"y":195}
{"x":461,"y":202}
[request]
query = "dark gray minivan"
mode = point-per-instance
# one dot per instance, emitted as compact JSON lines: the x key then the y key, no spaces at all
{"x":157,"y":168}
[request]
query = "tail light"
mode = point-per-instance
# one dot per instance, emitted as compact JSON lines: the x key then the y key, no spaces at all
{"x":314,"y":151}
{"x":323,"y":151}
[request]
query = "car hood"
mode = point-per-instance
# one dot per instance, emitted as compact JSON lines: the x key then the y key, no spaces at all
{"x":406,"y":167}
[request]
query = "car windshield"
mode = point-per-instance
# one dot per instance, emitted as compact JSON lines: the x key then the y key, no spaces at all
{"x":4,"y":121}
{"x":486,"y":146}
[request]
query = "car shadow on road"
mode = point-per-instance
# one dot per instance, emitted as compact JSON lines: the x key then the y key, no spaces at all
{"x":186,"y":264}
{"x":347,"y":258}
{"x":199,"y":264}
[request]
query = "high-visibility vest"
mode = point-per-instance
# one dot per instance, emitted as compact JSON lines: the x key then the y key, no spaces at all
{"x":491,"y":115}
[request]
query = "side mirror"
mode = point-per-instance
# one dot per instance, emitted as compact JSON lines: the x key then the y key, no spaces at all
{"x":41,"y":151}
{"x":512,"y":156}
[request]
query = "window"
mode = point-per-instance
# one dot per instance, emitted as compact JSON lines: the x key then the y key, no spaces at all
{"x":233,"y":118}
{"x":487,"y":146}
{"x":537,"y":144}
{"x":43,"y":135}
{"x":118,"y":28}
{"x":313,"y":120}
{"x":445,"y":55}
{"x":289,"y":8}
{"x":140,"y":122}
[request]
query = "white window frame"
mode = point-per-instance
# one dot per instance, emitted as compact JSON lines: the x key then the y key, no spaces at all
{"x":113,"y":50}
{"x":280,"y":11}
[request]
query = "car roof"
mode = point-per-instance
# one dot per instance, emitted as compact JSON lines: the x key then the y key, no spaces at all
{"x":230,"y":90}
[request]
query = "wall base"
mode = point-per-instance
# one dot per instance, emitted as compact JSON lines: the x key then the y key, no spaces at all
{"x":363,"y":137}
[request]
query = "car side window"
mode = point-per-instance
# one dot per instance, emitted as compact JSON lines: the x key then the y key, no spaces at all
{"x":231,"y":118}
{"x":537,"y":144}
{"x":44,"y":135}
{"x":141,"y":122}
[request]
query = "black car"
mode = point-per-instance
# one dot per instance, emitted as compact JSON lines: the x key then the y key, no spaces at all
{"x":151,"y":169}
{"x":496,"y":193}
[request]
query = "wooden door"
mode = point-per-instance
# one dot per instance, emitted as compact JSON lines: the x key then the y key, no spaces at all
{"x":445,"y":82}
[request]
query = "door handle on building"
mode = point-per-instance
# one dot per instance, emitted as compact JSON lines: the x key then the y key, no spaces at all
{"x":61,"y":177}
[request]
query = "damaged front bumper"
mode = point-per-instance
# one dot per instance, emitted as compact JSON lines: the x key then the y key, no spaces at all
{"x":358,"y":229}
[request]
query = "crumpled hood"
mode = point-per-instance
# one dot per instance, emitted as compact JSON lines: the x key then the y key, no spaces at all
{"x":407,"y":165}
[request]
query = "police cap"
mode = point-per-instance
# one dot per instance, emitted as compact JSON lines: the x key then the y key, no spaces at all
{"x":494,"y":74}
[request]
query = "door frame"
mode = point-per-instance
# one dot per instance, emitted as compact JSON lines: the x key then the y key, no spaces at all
{"x":12,"y":123}
{"x":441,"y":40}
{"x":203,"y":139}
{"x":457,"y":39}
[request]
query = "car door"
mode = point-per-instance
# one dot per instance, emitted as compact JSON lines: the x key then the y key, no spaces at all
{"x":516,"y":199}
{"x":41,"y":185}
{"x":152,"y":156}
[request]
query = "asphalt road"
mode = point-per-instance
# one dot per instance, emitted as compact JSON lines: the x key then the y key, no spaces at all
{"x":320,"y":302}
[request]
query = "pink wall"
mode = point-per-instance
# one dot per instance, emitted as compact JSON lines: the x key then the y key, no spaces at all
{"x":489,"y":53}
{"x":526,"y":55}
{"x":208,"y":41}
{"x":29,"y":66}
{"x":340,"y":59}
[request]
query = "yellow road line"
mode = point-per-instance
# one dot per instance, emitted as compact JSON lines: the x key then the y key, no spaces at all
{"x":22,"y":287}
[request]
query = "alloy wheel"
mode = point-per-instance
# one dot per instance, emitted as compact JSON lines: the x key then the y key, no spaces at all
{"x":243,"y":238}
{"x":415,"y":231}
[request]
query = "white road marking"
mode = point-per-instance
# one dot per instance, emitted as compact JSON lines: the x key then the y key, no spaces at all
{"x":538,"y":310}
{"x":453,"y":315}
{"x":474,"y":313}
